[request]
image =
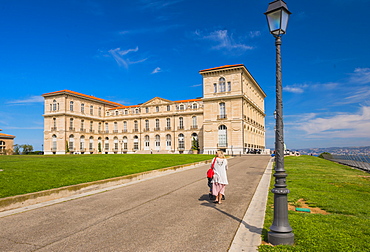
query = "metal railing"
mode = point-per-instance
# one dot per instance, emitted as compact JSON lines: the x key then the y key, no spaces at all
{"x":357,"y":161}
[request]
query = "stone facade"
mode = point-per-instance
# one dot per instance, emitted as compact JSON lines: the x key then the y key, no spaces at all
{"x":230,"y":116}
{"x":6,"y":144}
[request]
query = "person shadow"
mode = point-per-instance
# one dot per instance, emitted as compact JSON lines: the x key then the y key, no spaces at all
{"x":207,"y":202}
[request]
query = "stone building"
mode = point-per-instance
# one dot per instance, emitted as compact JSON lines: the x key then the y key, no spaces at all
{"x":230,"y":117}
{"x":6,"y":144}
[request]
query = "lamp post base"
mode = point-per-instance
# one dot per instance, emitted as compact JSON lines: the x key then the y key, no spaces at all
{"x":280,"y":238}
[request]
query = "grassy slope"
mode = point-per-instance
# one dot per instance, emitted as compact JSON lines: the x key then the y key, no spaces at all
{"x":25,"y":174}
{"x":341,"y":191}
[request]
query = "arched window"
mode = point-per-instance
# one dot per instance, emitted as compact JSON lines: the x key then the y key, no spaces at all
{"x":181,"y":123}
{"x":106,"y":144}
{"x":194,"y":122}
{"x":71,"y":124}
{"x":99,"y":144}
{"x":106,"y":128}
{"x":54,"y":124}
{"x":91,"y":143}
{"x":181,"y":140}
{"x":222,"y":111}
{"x":124,"y":126}
{"x":83,"y":108}
{"x":168,"y":123}
{"x":194,"y":141}
{"x":54,"y":143}
{"x":168,"y":107}
{"x":115,"y":125}
{"x":54,"y":105}
{"x":182,"y":107}
{"x":222,"y":136}
{"x":71,"y":143}
{"x":214,"y":88}
{"x":221,"y":83}
{"x":146,"y":125}
{"x":125,"y":143}
{"x":146,"y":142}
{"x":157,"y":142}
{"x":91,"y":110}
{"x":82,"y":143}
{"x":99,"y":112}
{"x":115,"y":141}
{"x":136,"y":143}
{"x":156,"y":124}
{"x":229,"y":86}
{"x":156,"y":109}
{"x":136,"y":127}
{"x":194,"y":106}
{"x":168,"y":142}
{"x":71,"y":105}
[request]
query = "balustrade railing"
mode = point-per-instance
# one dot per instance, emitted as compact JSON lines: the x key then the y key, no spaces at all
{"x":357,"y":161}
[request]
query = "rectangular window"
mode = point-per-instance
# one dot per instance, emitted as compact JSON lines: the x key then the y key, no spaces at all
{"x":229,"y":86}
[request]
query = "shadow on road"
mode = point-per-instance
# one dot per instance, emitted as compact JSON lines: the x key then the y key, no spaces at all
{"x":209,"y":203}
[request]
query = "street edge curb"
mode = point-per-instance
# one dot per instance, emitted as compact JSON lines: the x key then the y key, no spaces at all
{"x":248,"y":236}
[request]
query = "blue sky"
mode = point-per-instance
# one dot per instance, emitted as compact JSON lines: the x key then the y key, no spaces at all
{"x":131,"y":51}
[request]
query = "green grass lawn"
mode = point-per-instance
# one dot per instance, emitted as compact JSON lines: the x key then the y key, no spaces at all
{"x":341,"y":191}
{"x":25,"y":174}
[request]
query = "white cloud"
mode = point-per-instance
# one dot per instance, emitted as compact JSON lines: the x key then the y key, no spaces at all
{"x":120,"y":56}
{"x":360,"y":76}
{"x":157,"y":70}
{"x":301,"y":88}
{"x":292,"y":89}
{"x":361,"y":95}
{"x":254,"y":34}
{"x":223,"y":41}
{"x":158,"y":4}
{"x":340,"y":125}
{"x":32,"y":99}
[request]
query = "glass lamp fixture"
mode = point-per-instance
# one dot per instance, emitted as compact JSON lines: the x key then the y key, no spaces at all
{"x":277,"y":17}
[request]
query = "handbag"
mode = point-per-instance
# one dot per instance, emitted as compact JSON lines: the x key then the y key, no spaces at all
{"x":211,"y":172}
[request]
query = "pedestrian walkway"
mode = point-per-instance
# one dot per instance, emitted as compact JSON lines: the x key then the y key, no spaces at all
{"x":167,"y":213}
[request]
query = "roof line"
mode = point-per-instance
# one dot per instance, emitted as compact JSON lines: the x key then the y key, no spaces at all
{"x":80,"y":94}
{"x":221,"y":67}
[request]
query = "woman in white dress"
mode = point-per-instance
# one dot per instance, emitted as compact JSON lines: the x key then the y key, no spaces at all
{"x":219,"y":180}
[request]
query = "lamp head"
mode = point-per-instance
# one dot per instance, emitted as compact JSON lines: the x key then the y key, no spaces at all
{"x":277,"y":17}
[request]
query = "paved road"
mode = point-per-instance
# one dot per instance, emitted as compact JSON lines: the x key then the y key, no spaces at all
{"x":168,"y":213}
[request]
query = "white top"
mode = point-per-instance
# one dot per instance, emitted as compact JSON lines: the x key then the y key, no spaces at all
{"x":220,"y":168}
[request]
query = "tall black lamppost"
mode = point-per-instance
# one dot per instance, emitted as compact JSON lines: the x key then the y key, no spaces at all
{"x":280,"y":231}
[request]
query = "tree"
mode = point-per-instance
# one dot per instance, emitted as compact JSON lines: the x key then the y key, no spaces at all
{"x":67,"y":147}
{"x":16,"y":149}
{"x":325,"y":154}
{"x":195,"y":144}
{"x":99,"y":147}
{"x":27,"y":148}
